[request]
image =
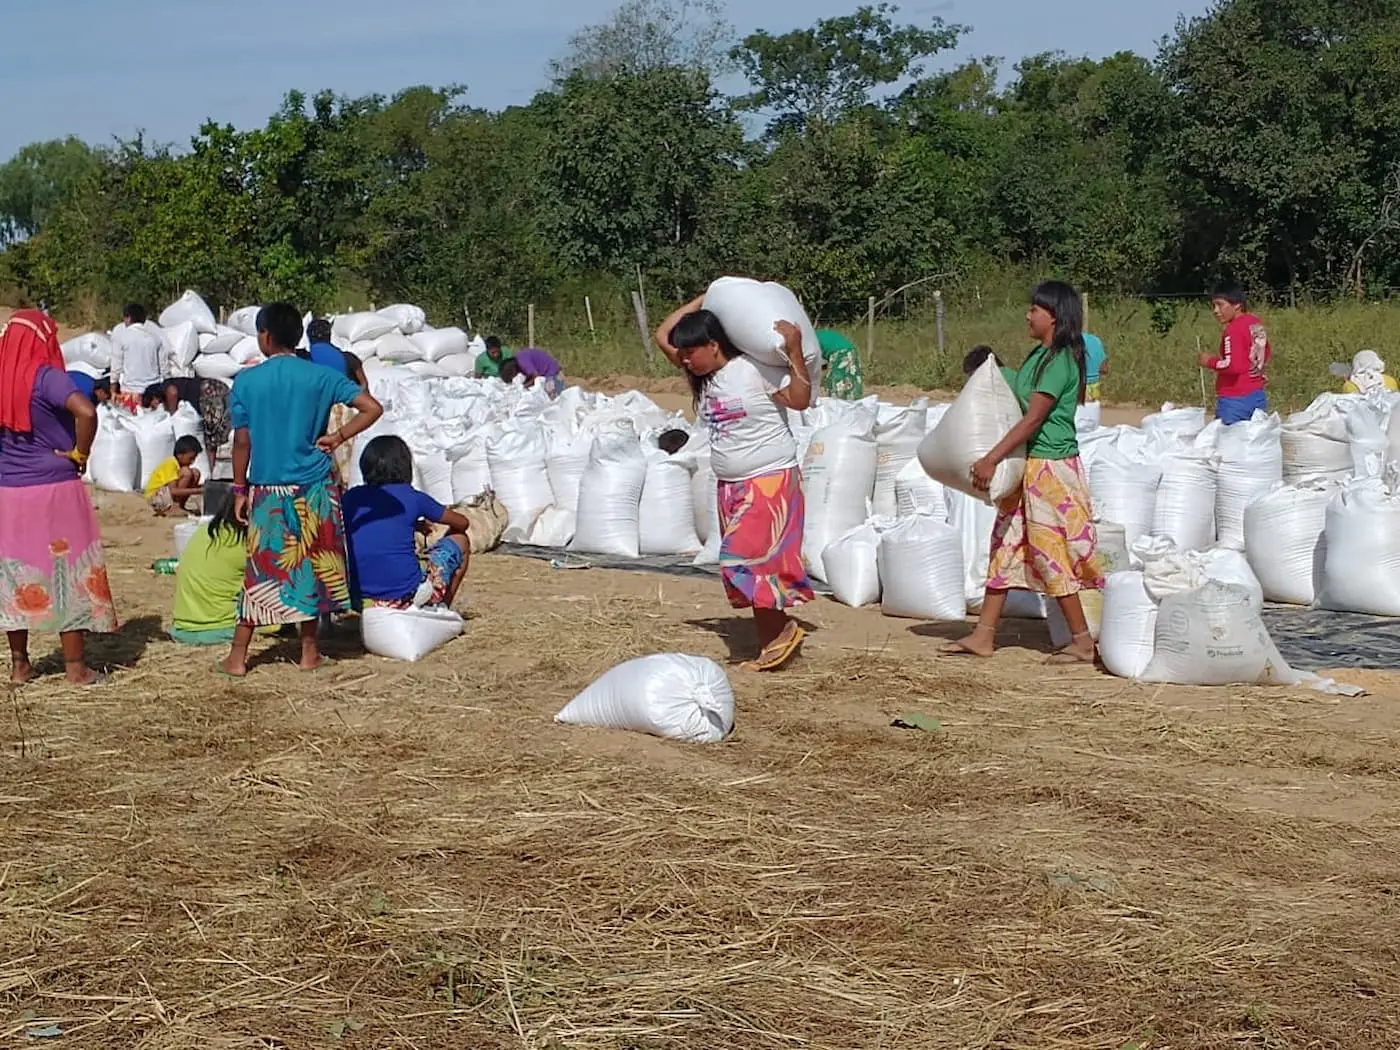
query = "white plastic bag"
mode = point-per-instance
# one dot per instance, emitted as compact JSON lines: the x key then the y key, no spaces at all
{"x":245,"y":352}
{"x":609,"y":501}
{"x":245,"y":320}
{"x":1283,"y":539}
{"x":155,"y":440}
{"x":432,"y":473}
{"x":566,"y":462}
{"x":1210,"y":636}
{"x":921,"y":571}
{"x":1172,"y":422}
{"x":115,"y":462}
{"x":838,"y":478}
{"x":439,"y":343}
{"x":516,"y":457}
{"x":672,"y":695}
{"x":666,"y":517}
{"x":1314,"y":442}
{"x":407,"y":318}
{"x":355,"y":328}
{"x":1361,"y":552}
{"x":181,"y":343}
{"x":1127,"y":625}
{"x":974,"y":521}
{"x":408,"y":634}
{"x":917,"y":493}
{"x":216,"y":366}
{"x":395,"y":348}
{"x":189,"y":308}
{"x":749,"y":309}
{"x":94,"y":348}
{"x":1124,"y":489}
{"x":1251,"y":465}
{"x":898,"y":433}
{"x":851,"y":564}
{"x":975,"y":424}
{"x":1184,"y":508}
{"x":224,"y":340}
{"x":471,"y":471}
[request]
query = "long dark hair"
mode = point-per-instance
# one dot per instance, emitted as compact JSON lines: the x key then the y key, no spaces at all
{"x":697,"y":329}
{"x":218,"y":501}
{"x":1063,"y":303}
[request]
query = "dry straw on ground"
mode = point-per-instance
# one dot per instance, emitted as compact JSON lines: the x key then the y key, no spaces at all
{"x":390,"y":856}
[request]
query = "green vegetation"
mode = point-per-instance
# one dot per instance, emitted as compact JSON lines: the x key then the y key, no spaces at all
{"x":1261,"y":144}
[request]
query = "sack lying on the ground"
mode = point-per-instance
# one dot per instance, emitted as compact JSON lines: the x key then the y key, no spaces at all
{"x":1283,"y":539}
{"x":488,"y":518}
{"x":852,"y":568}
{"x":921,"y":571}
{"x":408,"y":634}
{"x":1360,"y":562}
{"x":671,"y":695}
{"x":115,"y":462}
{"x":980,"y":417}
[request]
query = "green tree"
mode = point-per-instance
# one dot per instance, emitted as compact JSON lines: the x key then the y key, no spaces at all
{"x":37,"y":180}
{"x":646,"y":36}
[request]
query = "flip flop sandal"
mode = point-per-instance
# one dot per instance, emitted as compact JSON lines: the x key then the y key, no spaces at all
{"x":778,"y":653}
{"x":219,"y":670}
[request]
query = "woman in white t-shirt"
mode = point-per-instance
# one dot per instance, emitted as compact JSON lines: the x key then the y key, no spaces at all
{"x":743,"y":404}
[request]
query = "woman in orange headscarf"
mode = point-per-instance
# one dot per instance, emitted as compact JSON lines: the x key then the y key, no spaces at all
{"x":52,"y":573}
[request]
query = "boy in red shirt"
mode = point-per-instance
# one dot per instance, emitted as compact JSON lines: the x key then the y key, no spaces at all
{"x":1239,"y":366}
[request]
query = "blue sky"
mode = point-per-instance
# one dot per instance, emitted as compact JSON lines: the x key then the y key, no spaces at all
{"x":98,"y":69}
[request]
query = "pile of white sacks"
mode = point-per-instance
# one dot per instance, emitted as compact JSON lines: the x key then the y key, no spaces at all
{"x":199,"y":345}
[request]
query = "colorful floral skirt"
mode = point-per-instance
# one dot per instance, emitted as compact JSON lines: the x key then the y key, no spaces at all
{"x":1045,"y":540}
{"x":760,"y":554}
{"x":296,"y":555}
{"x":53,"y":577}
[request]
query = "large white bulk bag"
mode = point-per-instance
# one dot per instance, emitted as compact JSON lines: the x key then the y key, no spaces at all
{"x":1173,"y":422}
{"x":554,"y":528}
{"x":224,"y":340}
{"x":917,"y":493}
{"x":838,"y":478}
{"x":898,"y":433}
{"x":457,"y":364}
{"x":609,"y":499}
{"x":186,"y":422}
{"x":245,"y":351}
{"x":181,"y":343}
{"x":1210,"y":636}
{"x":852,"y":568}
{"x":567,"y":460}
{"x":189,"y":307}
{"x":426,"y":369}
{"x":672,"y":695}
{"x":432,"y":473}
{"x":975,"y":424}
{"x":974,"y":521}
{"x":666,"y":516}
{"x":367,"y":350}
{"x":1127,"y":625}
{"x":748,"y":310}
{"x":1361,"y":552}
{"x":245,"y":320}
{"x":1251,"y":465}
{"x":1184,"y":509}
{"x":1368,"y":422}
{"x":440,"y":343}
{"x":1167,"y":570}
{"x":1088,"y":417}
{"x":516,"y":458}
{"x":408,"y":634}
{"x":1282,"y":538}
{"x":1124,"y":490}
{"x":705,"y":494}
{"x":407,"y":318}
{"x":1315,"y":442}
{"x":921,"y":570}
{"x":395,"y":348}
{"x":216,"y":366}
{"x":360,"y":327}
{"x":94,"y":348}
{"x":114,"y":464}
{"x":155,"y":440}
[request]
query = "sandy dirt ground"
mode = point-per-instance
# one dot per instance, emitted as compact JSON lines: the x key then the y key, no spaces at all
{"x":384,"y":855}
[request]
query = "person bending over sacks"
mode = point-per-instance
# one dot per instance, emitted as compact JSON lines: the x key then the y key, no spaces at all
{"x":744,"y":406}
{"x":535,"y":366}
{"x":175,"y":482}
{"x":383,"y":518}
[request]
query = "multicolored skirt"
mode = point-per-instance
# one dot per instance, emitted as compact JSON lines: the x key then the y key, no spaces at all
{"x":760,"y":554}
{"x":1045,"y":540}
{"x":296,"y":555}
{"x":53,"y":576}
{"x":214,"y":416}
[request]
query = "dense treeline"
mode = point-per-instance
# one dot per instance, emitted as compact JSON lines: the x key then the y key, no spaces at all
{"x":1262,"y":143}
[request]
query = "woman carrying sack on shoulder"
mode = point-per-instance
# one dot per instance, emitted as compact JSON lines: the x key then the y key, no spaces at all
{"x":744,"y":405}
{"x":1044,"y":537}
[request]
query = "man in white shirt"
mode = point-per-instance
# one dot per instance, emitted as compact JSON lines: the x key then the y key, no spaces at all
{"x":138,"y":355}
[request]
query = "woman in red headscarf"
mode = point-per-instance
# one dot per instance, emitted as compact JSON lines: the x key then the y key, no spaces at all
{"x":52,"y":573}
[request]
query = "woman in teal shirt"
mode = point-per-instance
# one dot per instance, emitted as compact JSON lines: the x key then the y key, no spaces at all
{"x":1044,"y":537}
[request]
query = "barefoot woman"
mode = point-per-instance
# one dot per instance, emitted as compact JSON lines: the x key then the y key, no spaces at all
{"x":52,"y":573}
{"x":1044,"y":538}
{"x":744,"y":406}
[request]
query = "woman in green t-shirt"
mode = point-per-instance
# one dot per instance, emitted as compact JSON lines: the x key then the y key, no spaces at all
{"x":1044,"y":537}
{"x":209,"y":577}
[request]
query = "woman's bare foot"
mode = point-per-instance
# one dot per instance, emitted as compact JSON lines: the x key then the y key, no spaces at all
{"x":82,"y":675}
{"x":232,"y":668}
{"x":1081,"y":650}
{"x":21,"y":671}
{"x":981,"y":642}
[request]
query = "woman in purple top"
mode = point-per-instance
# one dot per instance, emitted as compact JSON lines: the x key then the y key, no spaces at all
{"x":534,"y":364}
{"x":52,"y":573}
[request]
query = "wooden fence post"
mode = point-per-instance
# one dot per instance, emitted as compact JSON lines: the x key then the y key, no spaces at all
{"x":938,"y":315}
{"x":641,"y":310}
{"x":588,"y":308}
{"x":530,"y":322}
{"x":870,"y":329}
{"x":1084,"y":299}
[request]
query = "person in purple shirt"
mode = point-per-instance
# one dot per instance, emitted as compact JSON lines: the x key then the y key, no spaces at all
{"x":534,"y":364}
{"x":53,"y":576}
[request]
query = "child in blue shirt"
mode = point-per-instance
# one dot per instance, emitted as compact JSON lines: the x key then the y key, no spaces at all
{"x":382,"y":520}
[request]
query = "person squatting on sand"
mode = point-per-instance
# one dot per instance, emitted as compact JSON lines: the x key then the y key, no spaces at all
{"x":1044,"y":537}
{"x":744,"y":405}
{"x":53,"y":576}
{"x":285,"y":490}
